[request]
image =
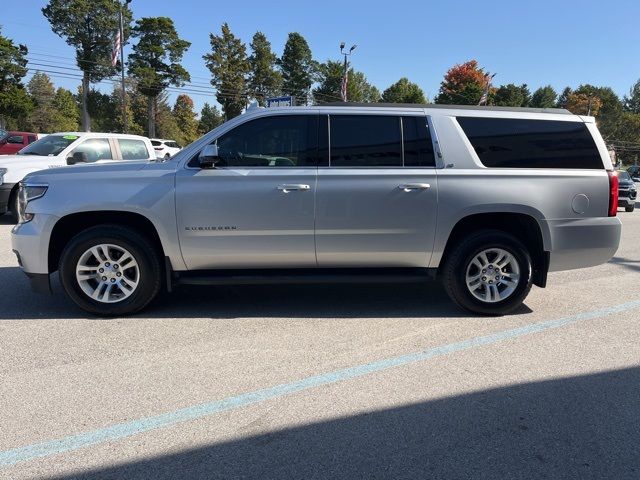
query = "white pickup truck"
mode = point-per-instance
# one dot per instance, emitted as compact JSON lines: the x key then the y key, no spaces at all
{"x":69,"y":148}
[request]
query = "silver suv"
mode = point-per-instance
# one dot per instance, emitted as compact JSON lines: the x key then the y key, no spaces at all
{"x":487,"y":199}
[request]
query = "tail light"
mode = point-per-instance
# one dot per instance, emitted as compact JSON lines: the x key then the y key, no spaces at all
{"x":613,"y":193}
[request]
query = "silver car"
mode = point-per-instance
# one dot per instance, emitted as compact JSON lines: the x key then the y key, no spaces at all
{"x":486,"y":199}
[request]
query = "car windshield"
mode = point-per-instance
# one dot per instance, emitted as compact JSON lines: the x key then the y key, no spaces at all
{"x":3,"y":134}
{"x":624,"y":176}
{"x":50,"y":145}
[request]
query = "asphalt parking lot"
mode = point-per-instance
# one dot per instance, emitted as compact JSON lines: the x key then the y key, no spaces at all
{"x":384,"y":381}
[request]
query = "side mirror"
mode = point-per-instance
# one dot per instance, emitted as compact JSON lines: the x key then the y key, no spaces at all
{"x":209,"y":156}
{"x":78,"y":157}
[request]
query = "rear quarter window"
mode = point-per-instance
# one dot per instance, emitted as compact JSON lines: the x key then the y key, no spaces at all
{"x":521,"y":143}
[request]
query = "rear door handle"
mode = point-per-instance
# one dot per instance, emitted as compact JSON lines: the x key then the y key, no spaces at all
{"x":286,"y":188}
{"x":407,"y":187}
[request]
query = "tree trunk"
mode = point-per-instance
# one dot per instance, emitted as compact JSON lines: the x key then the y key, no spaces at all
{"x":151,"y":113}
{"x":86,"y":120}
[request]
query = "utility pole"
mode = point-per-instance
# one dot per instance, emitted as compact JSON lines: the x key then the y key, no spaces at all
{"x":124,"y":90}
{"x":345,"y":77}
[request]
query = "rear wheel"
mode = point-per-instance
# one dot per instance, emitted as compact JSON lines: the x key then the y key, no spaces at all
{"x":488,"y":273}
{"x":630,"y":208}
{"x":110,"y":270}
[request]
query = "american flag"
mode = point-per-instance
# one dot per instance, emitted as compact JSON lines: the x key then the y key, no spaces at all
{"x":115,"y":52}
{"x":483,"y":98}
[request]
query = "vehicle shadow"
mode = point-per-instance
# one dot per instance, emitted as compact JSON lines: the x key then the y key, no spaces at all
{"x":626,"y":263}
{"x":6,"y":220}
{"x":583,"y":427}
{"x":421,"y":300}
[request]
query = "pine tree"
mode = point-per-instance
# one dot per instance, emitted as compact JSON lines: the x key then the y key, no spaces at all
{"x":298,"y":68}
{"x":632,"y":101}
{"x":330,"y":76}
{"x":186,"y":119}
{"x":210,"y":118}
{"x":15,"y":103}
{"x":66,"y":110}
{"x":544,"y":97}
{"x":564,"y":97}
{"x":404,"y":91}
{"x":154,"y":62}
{"x":511,"y":95}
{"x":264,"y":80}
{"x":229,"y":66}
{"x":43,"y":117}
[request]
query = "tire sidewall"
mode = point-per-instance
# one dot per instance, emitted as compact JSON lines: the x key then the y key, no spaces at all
{"x":473,"y":248}
{"x":83,"y":242}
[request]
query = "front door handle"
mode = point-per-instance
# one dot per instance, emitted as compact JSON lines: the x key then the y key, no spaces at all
{"x":286,"y":188}
{"x":408,"y":187}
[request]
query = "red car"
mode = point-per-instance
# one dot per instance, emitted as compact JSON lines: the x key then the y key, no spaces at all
{"x":11,"y":142}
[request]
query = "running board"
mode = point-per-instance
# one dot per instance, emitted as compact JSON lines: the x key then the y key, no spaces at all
{"x":304,"y":276}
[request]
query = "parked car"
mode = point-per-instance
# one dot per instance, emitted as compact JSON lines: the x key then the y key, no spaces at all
{"x":487,"y":199}
{"x":60,"y":149}
{"x":634,"y":171}
{"x":165,"y":149}
{"x":626,"y":191}
{"x":13,"y":142}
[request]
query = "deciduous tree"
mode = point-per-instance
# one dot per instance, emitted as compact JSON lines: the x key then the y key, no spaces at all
{"x":463,"y":84}
{"x":229,"y":67}
{"x":404,"y":91}
{"x":155,"y":61}
{"x":66,"y":110}
{"x":90,"y":27}
{"x":632,"y":101}
{"x":15,"y":104}
{"x":512,"y":95}
{"x":185,"y":119}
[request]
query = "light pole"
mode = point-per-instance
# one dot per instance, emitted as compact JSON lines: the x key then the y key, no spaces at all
{"x":345,"y":77}
{"x":124,"y":90}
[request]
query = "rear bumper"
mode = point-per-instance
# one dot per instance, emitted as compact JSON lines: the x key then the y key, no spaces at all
{"x":5,"y":193}
{"x":584,"y":242}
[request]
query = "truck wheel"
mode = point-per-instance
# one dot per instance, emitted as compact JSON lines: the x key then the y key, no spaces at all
{"x":110,"y":270}
{"x":488,"y":273}
{"x":630,"y":208}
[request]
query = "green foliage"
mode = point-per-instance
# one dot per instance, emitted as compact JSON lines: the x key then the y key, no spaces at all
{"x":329,"y":77}
{"x":632,"y":101}
{"x":165,"y":121}
{"x":463,"y":84}
{"x":44,"y":117}
{"x":404,"y":91}
{"x":13,"y":63}
{"x":511,"y":95}
{"x":185,"y":119}
{"x":210,"y":118}
{"x":102,"y":110}
{"x":298,"y":68}
{"x":66,"y":109}
{"x":564,"y":97}
{"x":229,"y":66}
{"x":15,"y":108}
{"x":264,"y":80}
{"x":544,"y":97}
{"x":154,"y":62}
{"x":89,"y":26}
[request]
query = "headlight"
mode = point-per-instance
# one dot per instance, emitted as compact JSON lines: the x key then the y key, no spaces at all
{"x":26,"y":193}
{"x":2,"y":172}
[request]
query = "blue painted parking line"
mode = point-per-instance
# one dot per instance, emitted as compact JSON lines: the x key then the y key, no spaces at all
{"x":128,"y":429}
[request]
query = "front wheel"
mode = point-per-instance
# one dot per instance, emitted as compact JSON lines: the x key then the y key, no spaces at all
{"x":488,"y":273}
{"x":630,"y":208}
{"x":110,"y":270}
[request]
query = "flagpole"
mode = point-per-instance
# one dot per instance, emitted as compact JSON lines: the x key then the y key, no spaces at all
{"x":124,"y":90}
{"x":345,"y":78}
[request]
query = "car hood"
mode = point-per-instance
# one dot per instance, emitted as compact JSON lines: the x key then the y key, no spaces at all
{"x":26,"y":161}
{"x":90,"y":171}
{"x":626,"y":183}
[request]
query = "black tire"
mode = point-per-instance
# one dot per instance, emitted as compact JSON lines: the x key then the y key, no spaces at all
{"x":461,"y":255}
{"x":137,"y":245}
{"x":13,"y":205}
{"x":630,"y":208}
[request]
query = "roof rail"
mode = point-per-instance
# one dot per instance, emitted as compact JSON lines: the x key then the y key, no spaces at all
{"x":453,"y":107}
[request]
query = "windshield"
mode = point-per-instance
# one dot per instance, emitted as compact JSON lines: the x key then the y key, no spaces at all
{"x":624,"y":176}
{"x":49,"y":145}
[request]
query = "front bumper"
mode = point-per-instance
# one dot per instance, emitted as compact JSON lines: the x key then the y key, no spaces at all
{"x":583,"y":242}
{"x":30,"y":243}
{"x":626,"y":201}
{"x":5,"y":193}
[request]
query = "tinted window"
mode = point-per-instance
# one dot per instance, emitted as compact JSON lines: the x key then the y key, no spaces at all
{"x":156,"y":143}
{"x":15,"y":139}
{"x":133,"y":149}
{"x":365,"y":141}
{"x":517,"y":143}
{"x":31,"y":138}
{"x":418,"y":149}
{"x":624,"y":175}
{"x":49,"y":145}
{"x":276,"y":141}
{"x":95,"y":148}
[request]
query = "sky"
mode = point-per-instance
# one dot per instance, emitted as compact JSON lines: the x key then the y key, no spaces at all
{"x":561,"y":42}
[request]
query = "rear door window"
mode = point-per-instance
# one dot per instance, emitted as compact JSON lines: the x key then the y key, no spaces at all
{"x":522,"y":143}
{"x":132,"y":149}
{"x":365,"y":141}
{"x":418,"y":147}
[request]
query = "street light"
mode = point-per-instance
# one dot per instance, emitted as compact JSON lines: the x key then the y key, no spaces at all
{"x":343,"y":87}
{"x":124,"y":93}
